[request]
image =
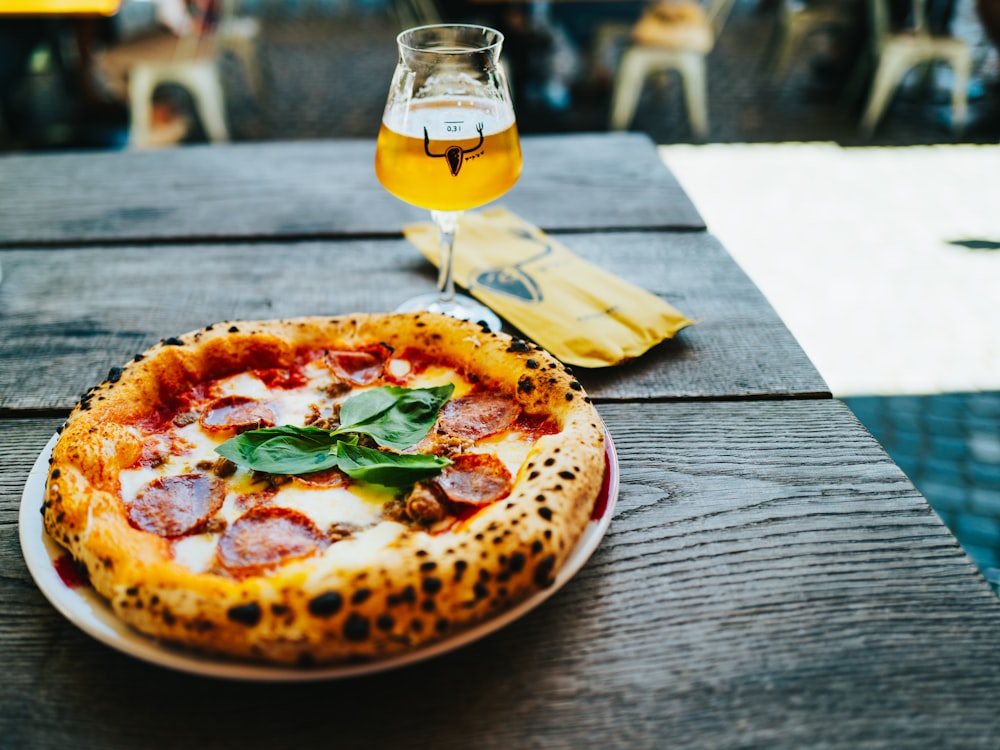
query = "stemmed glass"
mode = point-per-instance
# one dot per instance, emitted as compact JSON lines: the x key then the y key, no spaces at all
{"x":448,"y":140}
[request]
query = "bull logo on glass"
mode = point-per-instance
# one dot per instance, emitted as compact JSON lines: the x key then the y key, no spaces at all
{"x":454,"y":154}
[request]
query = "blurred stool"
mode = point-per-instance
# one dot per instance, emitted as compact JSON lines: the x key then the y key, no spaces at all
{"x":194,"y":63}
{"x":239,"y":36}
{"x":894,"y":54}
{"x":798,"y":20}
{"x":670,"y":36}
{"x":197,"y":71}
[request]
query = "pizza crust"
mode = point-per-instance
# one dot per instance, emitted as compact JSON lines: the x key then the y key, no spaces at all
{"x":383,"y":592}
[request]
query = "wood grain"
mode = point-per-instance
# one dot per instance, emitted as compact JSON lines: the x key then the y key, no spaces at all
{"x":68,"y":315}
{"x":770,"y":579}
{"x":317,"y":188}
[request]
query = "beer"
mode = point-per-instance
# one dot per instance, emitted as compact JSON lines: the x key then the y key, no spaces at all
{"x":447,"y":157}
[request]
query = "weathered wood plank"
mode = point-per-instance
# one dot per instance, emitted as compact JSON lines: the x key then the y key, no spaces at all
{"x":315,"y":188}
{"x":50,"y":352}
{"x":770,"y":579}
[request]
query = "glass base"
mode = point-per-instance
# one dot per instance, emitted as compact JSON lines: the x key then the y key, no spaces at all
{"x":461,"y":307}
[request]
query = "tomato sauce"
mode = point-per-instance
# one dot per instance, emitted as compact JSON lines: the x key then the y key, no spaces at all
{"x":604,"y":496}
{"x":69,"y":572}
{"x":536,"y":425}
{"x":285,"y":378}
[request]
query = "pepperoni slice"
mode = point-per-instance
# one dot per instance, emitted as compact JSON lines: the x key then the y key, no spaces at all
{"x":267,"y":535}
{"x":477,"y":415}
{"x":236,"y":414}
{"x":283,"y":378}
{"x":328,"y":478}
{"x":360,"y":368}
{"x":177,"y":505}
{"x":475,"y":479}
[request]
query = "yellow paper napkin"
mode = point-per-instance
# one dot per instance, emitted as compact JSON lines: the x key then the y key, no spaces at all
{"x":579,"y":312}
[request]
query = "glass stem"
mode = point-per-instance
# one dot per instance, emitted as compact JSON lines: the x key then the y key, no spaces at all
{"x":447,"y":223}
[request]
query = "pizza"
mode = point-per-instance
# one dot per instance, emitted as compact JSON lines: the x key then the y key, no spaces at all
{"x":317,"y":490}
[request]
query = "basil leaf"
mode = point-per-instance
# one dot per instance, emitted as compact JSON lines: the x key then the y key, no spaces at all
{"x":390,"y":469}
{"x":282,"y":450}
{"x":394,"y":417}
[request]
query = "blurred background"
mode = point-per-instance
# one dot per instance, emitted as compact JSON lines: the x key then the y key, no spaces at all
{"x":779,"y":70}
{"x":845,"y":151}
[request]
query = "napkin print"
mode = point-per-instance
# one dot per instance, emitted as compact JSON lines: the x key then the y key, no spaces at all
{"x":576,"y":310}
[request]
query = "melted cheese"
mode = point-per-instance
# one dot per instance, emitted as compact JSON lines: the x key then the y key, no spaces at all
{"x":357,"y":507}
{"x":436,"y":375}
{"x":243,"y":384}
{"x":512,"y":448}
{"x":196,"y":551}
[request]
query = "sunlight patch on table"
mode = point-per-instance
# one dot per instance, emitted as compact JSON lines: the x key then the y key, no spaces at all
{"x":855,"y":249}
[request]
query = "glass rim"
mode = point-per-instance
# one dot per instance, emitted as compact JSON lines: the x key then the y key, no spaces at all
{"x":498,"y":38}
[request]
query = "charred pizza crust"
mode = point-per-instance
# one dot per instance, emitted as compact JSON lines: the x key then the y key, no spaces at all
{"x":398,"y":588}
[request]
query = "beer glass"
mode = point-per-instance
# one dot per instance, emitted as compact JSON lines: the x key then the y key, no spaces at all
{"x":448,"y":140}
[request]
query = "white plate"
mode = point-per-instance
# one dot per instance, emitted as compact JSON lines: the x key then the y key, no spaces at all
{"x":82,"y":606}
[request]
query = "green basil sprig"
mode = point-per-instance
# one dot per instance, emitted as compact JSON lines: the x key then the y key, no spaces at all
{"x":394,"y":418}
{"x":382,"y":467}
{"x":282,"y":450}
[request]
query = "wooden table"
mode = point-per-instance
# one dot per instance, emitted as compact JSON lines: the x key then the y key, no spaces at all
{"x":770,"y":577}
